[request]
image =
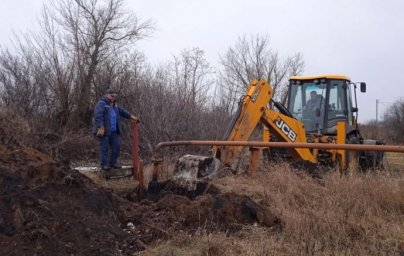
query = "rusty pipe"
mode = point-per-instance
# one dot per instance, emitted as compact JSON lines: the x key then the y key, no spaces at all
{"x":135,"y":150}
{"x":353,"y":147}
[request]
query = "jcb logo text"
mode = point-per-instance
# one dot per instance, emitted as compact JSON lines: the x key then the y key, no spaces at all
{"x":285,"y":129}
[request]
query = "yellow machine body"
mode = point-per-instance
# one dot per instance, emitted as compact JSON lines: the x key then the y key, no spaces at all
{"x":254,"y":109}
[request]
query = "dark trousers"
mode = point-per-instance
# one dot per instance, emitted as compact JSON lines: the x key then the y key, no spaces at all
{"x":110,"y":148}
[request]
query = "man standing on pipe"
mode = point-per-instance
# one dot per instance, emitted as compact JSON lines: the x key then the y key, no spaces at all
{"x":107,"y":128}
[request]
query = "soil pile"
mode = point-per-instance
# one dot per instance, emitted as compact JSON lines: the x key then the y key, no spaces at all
{"x":48,"y":209}
{"x":173,"y":213}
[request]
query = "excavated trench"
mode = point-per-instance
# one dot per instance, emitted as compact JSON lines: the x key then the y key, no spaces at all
{"x":48,"y":209}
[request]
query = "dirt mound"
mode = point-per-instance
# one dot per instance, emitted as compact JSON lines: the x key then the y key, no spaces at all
{"x":48,"y":209}
{"x":165,"y":217}
{"x":175,"y":213}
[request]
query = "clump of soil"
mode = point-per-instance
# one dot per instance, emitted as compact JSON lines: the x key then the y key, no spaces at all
{"x":48,"y":209}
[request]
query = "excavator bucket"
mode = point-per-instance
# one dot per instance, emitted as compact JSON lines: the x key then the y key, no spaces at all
{"x":191,"y":176}
{"x":190,"y":170}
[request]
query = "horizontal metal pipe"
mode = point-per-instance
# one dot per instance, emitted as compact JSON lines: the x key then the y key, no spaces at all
{"x":353,"y":147}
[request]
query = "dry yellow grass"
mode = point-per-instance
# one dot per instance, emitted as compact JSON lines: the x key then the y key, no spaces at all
{"x":395,"y":161}
{"x":360,"y":214}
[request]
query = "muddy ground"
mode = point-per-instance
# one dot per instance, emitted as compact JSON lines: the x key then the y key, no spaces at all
{"x":48,"y":209}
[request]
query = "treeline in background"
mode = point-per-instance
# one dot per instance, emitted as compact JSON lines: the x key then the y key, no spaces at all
{"x":51,"y":79}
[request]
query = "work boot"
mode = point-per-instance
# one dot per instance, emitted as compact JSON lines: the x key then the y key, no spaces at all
{"x":116,"y":166}
{"x":105,"y":168}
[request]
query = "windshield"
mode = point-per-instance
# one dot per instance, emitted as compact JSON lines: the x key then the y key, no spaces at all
{"x":307,"y":104}
{"x":320,"y":105}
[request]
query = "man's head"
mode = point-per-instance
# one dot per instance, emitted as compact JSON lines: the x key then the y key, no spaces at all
{"x":313,"y":95}
{"x":110,"y":94}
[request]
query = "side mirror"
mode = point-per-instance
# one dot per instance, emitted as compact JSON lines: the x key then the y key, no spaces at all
{"x":363,"y":87}
{"x":354,"y":109}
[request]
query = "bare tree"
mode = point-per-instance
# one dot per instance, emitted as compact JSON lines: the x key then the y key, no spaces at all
{"x":171,"y":99}
{"x":93,"y":32}
{"x":252,"y":58}
{"x":53,"y":77}
{"x":20,"y":80}
{"x":394,"y":122}
{"x":190,"y":75}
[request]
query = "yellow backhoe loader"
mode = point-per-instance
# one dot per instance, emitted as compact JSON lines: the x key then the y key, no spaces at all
{"x":319,"y":109}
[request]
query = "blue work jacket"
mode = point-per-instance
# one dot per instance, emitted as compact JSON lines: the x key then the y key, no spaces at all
{"x":102,"y":115}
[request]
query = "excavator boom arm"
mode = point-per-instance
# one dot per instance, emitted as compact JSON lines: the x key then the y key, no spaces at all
{"x":253,"y":109}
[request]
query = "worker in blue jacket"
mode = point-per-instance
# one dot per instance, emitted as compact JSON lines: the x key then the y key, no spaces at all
{"x":107,"y":128}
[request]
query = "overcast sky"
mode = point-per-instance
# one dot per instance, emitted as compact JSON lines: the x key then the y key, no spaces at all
{"x":363,"y":39}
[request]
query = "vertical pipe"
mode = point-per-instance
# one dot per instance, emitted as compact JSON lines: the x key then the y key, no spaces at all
{"x":141,"y":180}
{"x":254,"y":158}
{"x":155,"y":169}
{"x":341,"y":140}
{"x":135,"y":149}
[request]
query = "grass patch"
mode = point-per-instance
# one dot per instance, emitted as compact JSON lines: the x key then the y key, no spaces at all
{"x":360,"y":214}
{"x":395,"y":161}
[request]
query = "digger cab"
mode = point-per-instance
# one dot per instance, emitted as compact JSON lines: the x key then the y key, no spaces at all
{"x":319,"y":102}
